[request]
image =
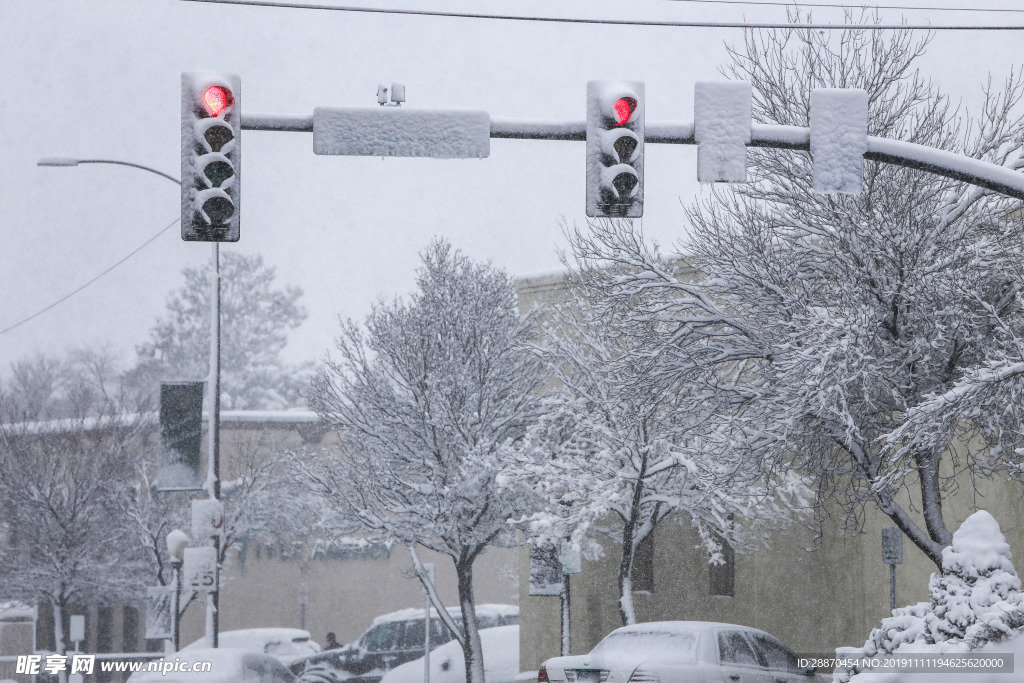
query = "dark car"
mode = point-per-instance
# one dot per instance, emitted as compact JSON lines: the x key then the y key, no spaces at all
{"x":391,"y":640}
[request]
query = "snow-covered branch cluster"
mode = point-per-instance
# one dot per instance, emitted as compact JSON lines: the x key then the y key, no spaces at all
{"x":858,"y":339}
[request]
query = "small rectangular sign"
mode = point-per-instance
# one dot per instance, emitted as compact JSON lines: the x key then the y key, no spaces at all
{"x":199,"y":570}
{"x":892,"y":545}
{"x":181,"y":431}
{"x":207,"y":518}
{"x":402,"y":132}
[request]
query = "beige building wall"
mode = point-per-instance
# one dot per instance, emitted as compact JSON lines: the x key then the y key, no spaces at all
{"x":344,"y":594}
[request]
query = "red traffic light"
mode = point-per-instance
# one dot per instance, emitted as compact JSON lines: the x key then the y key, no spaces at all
{"x":216,"y":99}
{"x":624,"y":108}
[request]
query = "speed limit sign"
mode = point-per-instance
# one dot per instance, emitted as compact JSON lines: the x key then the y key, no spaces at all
{"x":199,"y":570}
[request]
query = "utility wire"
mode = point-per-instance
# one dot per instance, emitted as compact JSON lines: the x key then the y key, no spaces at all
{"x":840,"y":6}
{"x":612,"y":22}
{"x":79,"y":289}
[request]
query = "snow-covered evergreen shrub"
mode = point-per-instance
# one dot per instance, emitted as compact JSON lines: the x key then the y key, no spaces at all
{"x":976,"y":600}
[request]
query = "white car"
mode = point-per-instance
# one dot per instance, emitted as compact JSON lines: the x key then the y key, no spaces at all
{"x":225,"y":665}
{"x":680,"y":651}
{"x":501,"y":660}
{"x":286,"y":644}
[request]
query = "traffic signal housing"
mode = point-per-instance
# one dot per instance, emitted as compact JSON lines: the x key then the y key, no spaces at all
{"x":615,"y":149}
{"x":211,"y":126}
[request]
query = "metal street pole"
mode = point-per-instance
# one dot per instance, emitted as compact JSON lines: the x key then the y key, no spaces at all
{"x":176,"y":564}
{"x":213,"y":597}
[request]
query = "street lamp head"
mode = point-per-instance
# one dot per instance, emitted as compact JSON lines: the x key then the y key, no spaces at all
{"x":58,"y":161}
{"x":177,"y":541}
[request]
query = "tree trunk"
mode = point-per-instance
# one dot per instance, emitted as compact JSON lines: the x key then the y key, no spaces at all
{"x":471,"y":650}
{"x":885,"y":499}
{"x":626,"y":611}
{"x":931,"y":497}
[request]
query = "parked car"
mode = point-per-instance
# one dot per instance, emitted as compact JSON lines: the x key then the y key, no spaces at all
{"x":394,"y":639}
{"x":501,"y":660}
{"x":227,"y":665}
{"x":671,"y":651}
{"x":286,"y":644}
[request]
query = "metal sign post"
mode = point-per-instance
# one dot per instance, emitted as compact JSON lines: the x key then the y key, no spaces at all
{"x":892,"y":555}
{"x":428,"y":568}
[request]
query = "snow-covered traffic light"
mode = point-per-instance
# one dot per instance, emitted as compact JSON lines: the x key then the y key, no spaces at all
{"x":211,"y":124}
{"x":615,"y":149}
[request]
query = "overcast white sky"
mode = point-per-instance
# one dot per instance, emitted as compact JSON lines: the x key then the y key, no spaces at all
{"x":101,"y":79}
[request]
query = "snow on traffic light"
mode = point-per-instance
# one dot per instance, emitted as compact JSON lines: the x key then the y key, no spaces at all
{"x":615,"y":149}
{"x":211,"y":124}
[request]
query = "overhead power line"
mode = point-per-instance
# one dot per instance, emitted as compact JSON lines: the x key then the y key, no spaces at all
{"x":611,"y":22}
{"x":780,"y":3}
{"x":79,"y":289}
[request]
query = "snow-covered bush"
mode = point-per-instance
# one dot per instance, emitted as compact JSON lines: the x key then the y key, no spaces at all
{"x":975,"y":601}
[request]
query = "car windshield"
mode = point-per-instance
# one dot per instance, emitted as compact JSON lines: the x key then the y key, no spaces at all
{"x":381,"y":637}
{"x":646,"y":645}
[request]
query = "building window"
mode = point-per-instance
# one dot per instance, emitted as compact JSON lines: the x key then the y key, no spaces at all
{"x":723,"y":576}
{"x":643,"y":565}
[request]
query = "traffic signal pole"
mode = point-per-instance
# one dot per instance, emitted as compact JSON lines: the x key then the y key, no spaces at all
{"x":974,"y":171}
{"x":213,"y":597}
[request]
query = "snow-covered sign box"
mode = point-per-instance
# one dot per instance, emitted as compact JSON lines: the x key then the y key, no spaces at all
{"x":207,"y":518}
{"x":199,"y":570}
{"x":181,"y":429}
{"x":571,"y":559}
{"x":839,"y":139}
{"x":721,"y":128}
{"x":545,"y":571}
{"x":159,"y":612}
{"x":402,"y":132}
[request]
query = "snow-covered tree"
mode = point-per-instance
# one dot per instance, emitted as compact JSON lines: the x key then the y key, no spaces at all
{"x":256,"y":316}
{"x":261,"y":502}
{"x":615,"y":453}
{"x":427,"y":402}
{"x":67,"y":438}
{"x":818,"y":325}
{"x":976,"y":600}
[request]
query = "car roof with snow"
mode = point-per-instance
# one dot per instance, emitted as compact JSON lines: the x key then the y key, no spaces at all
{"x":246,"y":637}
{"x":678,"y":627}
{"x":482,"y":611}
